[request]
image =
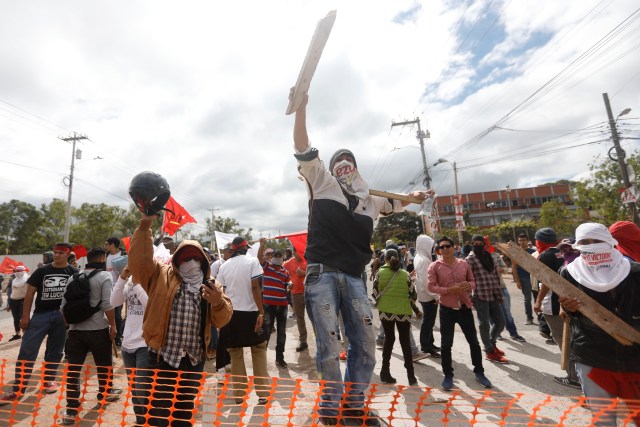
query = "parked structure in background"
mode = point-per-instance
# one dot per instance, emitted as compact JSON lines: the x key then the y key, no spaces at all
{"x":488,"y":208}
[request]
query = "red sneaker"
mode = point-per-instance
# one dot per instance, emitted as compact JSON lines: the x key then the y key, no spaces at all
{"x":495,"y":357}
{"x":497,"y":350}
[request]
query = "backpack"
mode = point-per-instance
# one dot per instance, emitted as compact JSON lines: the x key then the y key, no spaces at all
{"x":77,"y":295}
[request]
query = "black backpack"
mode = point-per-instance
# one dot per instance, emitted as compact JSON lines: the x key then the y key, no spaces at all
{"x":77,"y":295}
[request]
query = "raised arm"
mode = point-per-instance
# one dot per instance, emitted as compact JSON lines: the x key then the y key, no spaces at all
{"x":300,"y":137}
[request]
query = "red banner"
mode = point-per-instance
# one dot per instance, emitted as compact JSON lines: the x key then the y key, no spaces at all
{"x":7,"y":265}
{"x":176,"y":218}
{"x":298,"y":240}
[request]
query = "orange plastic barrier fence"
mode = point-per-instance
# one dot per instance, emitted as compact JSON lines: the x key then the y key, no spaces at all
{"x":291,"y":402}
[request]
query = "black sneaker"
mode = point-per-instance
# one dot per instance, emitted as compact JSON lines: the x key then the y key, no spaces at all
{"x":16,"y":337}
{"x":302,"y":347}
{"x":356,"y":417}
{"x":114,"y":394}
{"x":281,"y":364}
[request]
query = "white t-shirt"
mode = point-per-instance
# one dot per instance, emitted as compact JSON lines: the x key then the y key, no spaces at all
{"x":136,"y":298}
{"x":114,"y":273}
{"x":235,"y":275}
{"x":215,"y":267}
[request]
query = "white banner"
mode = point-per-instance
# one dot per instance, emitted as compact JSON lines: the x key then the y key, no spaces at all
{"x":224,"y":238}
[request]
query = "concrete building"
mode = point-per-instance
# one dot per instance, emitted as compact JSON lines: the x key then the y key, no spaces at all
{"x":489,"y":208}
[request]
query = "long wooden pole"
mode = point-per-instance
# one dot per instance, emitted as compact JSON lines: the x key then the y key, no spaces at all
{"x":396,"y":196}
{"x":606,"y":320}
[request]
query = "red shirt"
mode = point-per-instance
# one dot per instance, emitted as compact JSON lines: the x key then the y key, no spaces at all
{"x":292,"y":265}
{"x":442,"y":276}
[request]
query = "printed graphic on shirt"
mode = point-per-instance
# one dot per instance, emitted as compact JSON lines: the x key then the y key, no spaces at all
{"x":135,"y":305}
{"x":54,"y":286}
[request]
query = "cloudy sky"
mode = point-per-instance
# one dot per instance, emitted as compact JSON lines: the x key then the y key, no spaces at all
{"x":197,"y":90}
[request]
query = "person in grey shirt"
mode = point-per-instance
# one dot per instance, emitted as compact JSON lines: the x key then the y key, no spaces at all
{"x":94,"y":335}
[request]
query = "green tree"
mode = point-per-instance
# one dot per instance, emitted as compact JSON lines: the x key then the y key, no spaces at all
{"x":53,"y":218}
{"x":20,"y":224}
{"x":401,"y":227}
{"x":94,"y":223}
{"x":555,"y":215}
{"x":601,"y":192}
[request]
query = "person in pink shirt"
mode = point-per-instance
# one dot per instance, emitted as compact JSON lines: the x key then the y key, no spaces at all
{"x":452,"y":279}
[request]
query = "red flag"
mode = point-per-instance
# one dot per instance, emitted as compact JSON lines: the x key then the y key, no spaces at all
{"x":126,"y":241}
{"x":7,"y":265}
{"x":80,"y":251}
{"x":298,"y":240}
{"x":173,"y":221}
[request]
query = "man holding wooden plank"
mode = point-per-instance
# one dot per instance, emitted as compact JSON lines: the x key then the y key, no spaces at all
{"x":607,"y":368}
{"x":341,"y":218}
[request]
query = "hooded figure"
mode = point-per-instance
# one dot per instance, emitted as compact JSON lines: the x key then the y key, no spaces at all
{"x":428,"y":300}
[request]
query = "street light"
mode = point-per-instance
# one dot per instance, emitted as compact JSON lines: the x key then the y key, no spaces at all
{"x":493,"y":214}
{"x":511,"y":213}
{"x":455,"y":180}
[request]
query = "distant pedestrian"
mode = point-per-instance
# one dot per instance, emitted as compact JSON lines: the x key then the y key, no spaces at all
{"x":297,"y":268}
{"x":428,"y":300}
{"x":523,"y":279}
{"x":16,"y":299}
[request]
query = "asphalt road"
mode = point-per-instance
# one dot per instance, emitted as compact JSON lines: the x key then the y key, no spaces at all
{"x":523,"y":390}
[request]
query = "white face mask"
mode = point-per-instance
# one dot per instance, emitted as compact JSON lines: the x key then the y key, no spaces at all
{"x":191,"y":272}
{"x":350,"y":179}
{"x":600,"y":267}
{"x":276,"y":261}
{"x":20,"y":274}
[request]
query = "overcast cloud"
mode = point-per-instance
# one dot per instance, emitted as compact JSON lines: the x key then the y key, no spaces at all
{"x":197,"y":90}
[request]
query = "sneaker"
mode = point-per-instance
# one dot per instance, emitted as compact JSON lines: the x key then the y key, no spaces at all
{"x":545,"y":335}
{"x":7,"y":398}
{"x":551,"y":341}
{"x":280,"y":363}
{"x":302,"y":347}
{"x":211,"y":354}
{"x":419,"y":356}
{"x":518,"y":338}
{"x":16,"y":337}
{"x":495,"y":357}
{"x":497,"y":350}
{"x":413,"y":381}
{"x":529,"y":322}
{"x":566,"y":381}
{"x":483,"y":380}
{"x":50,"y":387}
{"x":447,"y":383}
{"x":343,"y":355}
{"x":434,"y":354}
{"x":356,"y":417}
{"x":114,"y":394}
{"x":379,"y":344}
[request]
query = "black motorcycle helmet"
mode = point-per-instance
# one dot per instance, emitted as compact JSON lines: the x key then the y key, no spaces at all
{"x":150,"y":192}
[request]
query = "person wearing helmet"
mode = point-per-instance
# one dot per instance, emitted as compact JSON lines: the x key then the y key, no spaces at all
{"x":177,"y":334}
{"x":341,"y":219}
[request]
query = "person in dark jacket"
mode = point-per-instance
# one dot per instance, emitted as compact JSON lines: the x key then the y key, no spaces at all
{"x":607,"y":368}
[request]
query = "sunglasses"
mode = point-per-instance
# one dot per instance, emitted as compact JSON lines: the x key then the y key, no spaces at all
{"x":444,"y":246}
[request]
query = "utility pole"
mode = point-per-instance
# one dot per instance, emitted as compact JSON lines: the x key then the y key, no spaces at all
{"x":212,"y":230}
{"x":74,"y":155}
{"x":620,"y":154}
{"x":420,"y":136}
{"x":513,"y":228}
{"x":455,"y":181}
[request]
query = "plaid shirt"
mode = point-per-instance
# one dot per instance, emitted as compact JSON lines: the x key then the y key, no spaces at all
{"x":487,"y":282}
{"x":183,"y":336}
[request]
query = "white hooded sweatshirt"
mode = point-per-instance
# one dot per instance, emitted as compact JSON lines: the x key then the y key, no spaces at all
{"x":421,"y":263}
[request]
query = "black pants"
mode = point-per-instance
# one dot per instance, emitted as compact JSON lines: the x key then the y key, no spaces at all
{"x":79,"y":344}
{"x":169,"y":387}
{"x":430,"y":310}
{"x":404,"y":329}
{"x":16,"y":311}
{"x":463,"y":317}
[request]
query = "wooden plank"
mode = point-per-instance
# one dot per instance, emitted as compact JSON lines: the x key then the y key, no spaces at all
{"x":564,"y":357}
{"x":609,"y":322}
{"x":310,"y":63}
{"x":395,"y":196}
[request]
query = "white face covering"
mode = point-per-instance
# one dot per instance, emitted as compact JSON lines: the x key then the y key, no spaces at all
{"x":277,"y":261}
{"x":600,"y":267}
{"x":20,"y":279}
{"x":350,"y":179}
{"x":191,"y":272}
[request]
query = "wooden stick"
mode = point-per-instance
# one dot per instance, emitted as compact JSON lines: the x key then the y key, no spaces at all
{"x":395,"y":196}
{"x":606,"y":320}
{"x":566,"y":331}
{"x":115,"y":349}
{"x":318,"y":41}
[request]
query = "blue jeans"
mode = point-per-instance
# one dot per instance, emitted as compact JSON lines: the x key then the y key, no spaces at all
{"x":506,"y":310}
{"x":51,"y":325}
{"x":430,"y":311}
{"x":213,"y":344}
{"x":326,"y":295}
{"x":490,"y":322}
{"x":273,"y":314}
{"x":526,"y":293}
{"x":140,"y":380}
